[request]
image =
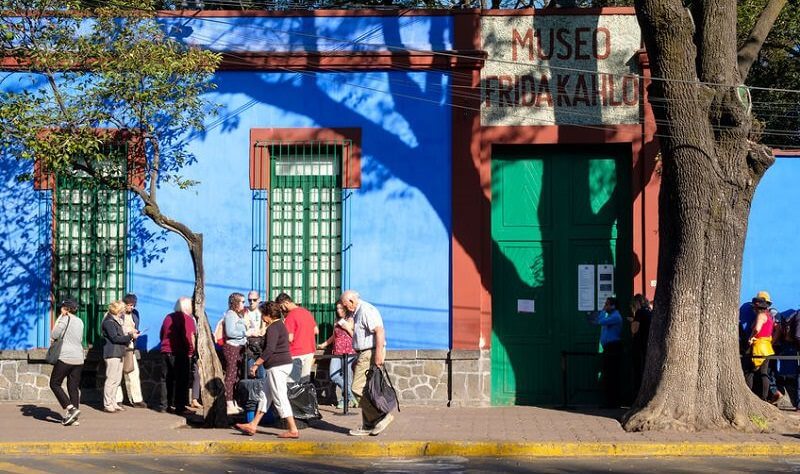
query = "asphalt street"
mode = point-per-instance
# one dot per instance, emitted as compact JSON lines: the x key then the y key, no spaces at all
{"x":309,"y":465}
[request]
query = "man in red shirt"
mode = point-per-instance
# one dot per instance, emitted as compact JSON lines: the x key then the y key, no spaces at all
{"x":303,"y":330}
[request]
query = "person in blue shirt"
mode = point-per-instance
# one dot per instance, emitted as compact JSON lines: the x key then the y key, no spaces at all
{"x":610,"y":322}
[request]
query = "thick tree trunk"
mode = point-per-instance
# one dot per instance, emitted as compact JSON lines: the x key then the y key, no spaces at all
{"x":693,"y":377}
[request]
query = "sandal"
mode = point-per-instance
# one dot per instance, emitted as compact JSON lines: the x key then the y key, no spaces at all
{"x":244,"y":429}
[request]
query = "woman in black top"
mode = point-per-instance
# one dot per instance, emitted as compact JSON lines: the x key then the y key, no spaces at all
{"x":278,"y":362}
{"x":640,"y":332}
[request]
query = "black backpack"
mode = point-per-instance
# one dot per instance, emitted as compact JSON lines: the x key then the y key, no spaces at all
{"x":380,"y":391}
{"x":789,"y":328}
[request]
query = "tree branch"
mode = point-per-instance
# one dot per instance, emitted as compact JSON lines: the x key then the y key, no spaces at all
{"x":748,"y":52}
{"x":57,"y":94}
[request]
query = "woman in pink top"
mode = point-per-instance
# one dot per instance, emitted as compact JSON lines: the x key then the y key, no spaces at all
{"x":342,"y":340}
{"x":761,"y":346}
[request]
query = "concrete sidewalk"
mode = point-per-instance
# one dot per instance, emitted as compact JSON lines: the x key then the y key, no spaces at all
{"x":417,"y":431}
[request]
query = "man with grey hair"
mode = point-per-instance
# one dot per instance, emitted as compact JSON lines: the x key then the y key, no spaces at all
{"x":369,"y":342}
{"x":255,"y":328}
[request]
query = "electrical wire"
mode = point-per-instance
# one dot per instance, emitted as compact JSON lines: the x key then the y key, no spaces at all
{"x":474,"y":96}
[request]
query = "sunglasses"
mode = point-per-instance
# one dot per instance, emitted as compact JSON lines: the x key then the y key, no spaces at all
{"x":252,"y":300}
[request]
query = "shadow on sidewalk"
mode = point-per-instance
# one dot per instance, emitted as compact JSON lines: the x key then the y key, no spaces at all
{"x":612,"y":413}
{"x":40,"y":413}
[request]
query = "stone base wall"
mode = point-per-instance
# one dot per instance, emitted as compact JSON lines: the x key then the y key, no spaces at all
{"x":421,"y":377}
{"x":23,"y":379}
{"x":430,"y":377}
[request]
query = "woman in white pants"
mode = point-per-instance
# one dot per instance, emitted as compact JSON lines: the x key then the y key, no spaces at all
{"x":278,"y":362}
{"x":116,"y":343}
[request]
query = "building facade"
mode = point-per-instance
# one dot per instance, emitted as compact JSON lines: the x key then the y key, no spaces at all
{"x":485,"y":179}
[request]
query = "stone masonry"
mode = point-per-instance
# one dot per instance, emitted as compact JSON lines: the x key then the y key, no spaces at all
{"x":421,"y":377}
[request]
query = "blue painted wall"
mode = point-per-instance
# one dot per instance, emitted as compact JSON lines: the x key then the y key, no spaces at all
{"x":771,"y":257}
{"x":398,"y":222}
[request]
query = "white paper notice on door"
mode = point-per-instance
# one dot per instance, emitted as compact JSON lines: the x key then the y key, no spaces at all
{"x":586,"y":288}
{"x":605,"y":283}
{"x":526,"y":306}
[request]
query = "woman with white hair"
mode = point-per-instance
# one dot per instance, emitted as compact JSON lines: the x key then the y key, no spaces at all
{"x":177,"y":348}
{"x":116,"y":343}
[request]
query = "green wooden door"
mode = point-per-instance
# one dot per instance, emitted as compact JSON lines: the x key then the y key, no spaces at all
{"x":553,"y":209}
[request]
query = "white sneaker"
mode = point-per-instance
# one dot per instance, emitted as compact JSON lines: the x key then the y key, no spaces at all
{"x":360,"y":431}
{"x":381,"y":425}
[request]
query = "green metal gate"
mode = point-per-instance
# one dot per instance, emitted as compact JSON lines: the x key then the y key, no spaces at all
{"x":90,"y":247}
{"x":305,"y":225}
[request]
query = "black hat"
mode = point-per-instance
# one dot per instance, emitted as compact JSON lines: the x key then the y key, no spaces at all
{"x":70,"y":304}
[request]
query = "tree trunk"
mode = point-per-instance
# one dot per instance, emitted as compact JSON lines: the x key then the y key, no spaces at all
{"x":693,"y":377}
{"x":209,"y":366}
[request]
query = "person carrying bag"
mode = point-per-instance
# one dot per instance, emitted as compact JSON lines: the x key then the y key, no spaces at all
{"x":66,"y":354}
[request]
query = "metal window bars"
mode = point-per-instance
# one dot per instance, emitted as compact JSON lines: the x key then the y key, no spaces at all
{"x":302,"y":238}
{"x":90,"y":241}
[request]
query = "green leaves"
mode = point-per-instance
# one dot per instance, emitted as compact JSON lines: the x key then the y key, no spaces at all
{"x":110,"y":67}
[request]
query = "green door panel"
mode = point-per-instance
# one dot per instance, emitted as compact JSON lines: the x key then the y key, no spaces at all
{"x":552,"y":210}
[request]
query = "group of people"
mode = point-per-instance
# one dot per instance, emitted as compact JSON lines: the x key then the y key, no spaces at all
{"x":286,"y":335}
{"x":611,"y":323}
{"x":288,"y":347}
{"x":120,"y":328}
{"x":764,"y":331}
{"x":240,"y":324}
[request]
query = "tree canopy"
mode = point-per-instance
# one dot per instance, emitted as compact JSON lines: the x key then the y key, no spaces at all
{"x":84,"y":77}
{"x":777,"y":67}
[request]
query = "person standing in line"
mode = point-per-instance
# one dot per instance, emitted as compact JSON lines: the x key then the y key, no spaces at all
{"x":177,"y":347}
{"x":640,"y":333}
{"x":116,"y":344}
{"x":70,"y":361}
{"x":342,"y":340}
{"x":278,"y":362}
{"x":255,"y":328}
{"x":760,"y":346}
{"x":303,"y":333}
{"x":369,"y":342}
{"x":610,"y":322}
{"x":235,"y":340}
{"x":133,"y":386}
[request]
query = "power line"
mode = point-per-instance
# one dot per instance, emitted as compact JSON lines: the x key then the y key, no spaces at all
{"x":441,"y":53}
{"x":461,"y":56}
{"x":474,"y":96}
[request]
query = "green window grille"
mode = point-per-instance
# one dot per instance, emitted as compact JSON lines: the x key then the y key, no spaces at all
{"x":90,"y":247}
{"x":305,"y":224}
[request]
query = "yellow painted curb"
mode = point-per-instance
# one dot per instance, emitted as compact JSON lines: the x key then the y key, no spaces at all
{"x":404,"y":448}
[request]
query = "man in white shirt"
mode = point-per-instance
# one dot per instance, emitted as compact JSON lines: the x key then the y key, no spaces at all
{"x":255,"y":327}
{"x":369,"y":342}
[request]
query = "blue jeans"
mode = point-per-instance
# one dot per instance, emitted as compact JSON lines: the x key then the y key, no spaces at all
{"x":261,"y":372}
{"x":337,"y":376}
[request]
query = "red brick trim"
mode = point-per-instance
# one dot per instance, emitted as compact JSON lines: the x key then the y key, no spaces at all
{"x":44,"y":179}
{"x":351,"y":164}
{"x":362,"y":12}
{"x":469,"y":205}
{"x":348,"y":61}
